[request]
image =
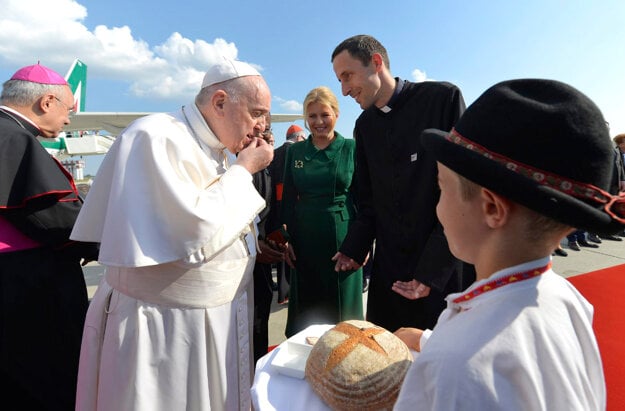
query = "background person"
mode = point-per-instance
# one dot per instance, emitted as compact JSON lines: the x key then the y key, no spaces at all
{"x":560,"y":251}
{"x":577,"y":238}
{"x":43,"y":296}
{"x":268,"y":254}
{"x":617,"y":185}
{"x":169,"y":326}
{"x":397,"y":190}
{"x":294,"y":134}
{"x":318,"y":207}
{"x":619,"y":140}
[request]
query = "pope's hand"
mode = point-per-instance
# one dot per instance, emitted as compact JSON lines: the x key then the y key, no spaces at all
{"x":256,"y":156}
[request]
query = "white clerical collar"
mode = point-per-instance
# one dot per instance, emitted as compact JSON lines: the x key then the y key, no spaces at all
{"x":17,"y":113}
{"x":200,"y":128}
{"x":389,"y":105}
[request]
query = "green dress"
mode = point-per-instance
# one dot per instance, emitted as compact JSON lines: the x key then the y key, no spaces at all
{"x":318,"y":208}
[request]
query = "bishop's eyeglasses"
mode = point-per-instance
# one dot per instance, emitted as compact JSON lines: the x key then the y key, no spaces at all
{"x":70,"y":110}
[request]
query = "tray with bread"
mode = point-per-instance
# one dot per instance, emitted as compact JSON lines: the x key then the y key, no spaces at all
{"x":291,"y":358}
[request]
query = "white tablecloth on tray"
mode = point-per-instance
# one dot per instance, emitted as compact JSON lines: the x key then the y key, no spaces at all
{"x":274,"y":391}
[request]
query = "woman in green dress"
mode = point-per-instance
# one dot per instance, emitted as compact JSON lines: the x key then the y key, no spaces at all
{"x":318,"y":207}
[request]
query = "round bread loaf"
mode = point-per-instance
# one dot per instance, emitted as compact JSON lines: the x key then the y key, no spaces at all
{"x":358,"y":366}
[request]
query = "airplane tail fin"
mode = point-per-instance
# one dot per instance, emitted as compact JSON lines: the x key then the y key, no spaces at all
{"x":77,"y":79}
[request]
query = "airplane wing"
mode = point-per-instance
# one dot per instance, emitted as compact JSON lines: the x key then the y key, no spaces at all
{"x":285,"y":118}
{"x":114,"y":123}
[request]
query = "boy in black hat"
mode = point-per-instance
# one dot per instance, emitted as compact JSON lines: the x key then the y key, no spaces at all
{"x":508,"y":197}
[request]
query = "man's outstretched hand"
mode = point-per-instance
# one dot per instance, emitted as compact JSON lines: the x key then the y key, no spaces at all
{"x":411,"y":290}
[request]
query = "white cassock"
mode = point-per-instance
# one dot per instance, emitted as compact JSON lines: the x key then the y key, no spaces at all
{"x":169,"y":326}
{"x":527,"y":345}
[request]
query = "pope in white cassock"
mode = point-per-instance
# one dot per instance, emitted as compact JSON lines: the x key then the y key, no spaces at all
{"x":174,"y":212}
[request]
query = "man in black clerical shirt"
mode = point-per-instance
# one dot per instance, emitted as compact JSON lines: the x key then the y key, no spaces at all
{"x":397,"y":187}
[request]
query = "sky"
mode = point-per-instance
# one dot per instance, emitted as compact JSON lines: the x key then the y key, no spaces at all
{"x":151,"y":55}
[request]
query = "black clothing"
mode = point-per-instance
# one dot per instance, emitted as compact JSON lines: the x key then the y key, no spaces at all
{"x":397,"y":196}
{"x":276,"y":170}
{"x":263,"y":291}
{"x":43,"y":296}
{"x":43,"y":299}
{"x":262,"y":183}
{"x":263,"y":294}
{"x":619,"y":172}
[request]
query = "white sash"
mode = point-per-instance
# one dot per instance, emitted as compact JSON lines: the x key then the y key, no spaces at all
{"x":176,"y":285}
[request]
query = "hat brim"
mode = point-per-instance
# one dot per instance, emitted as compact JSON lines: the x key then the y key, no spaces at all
{"x":527,"y":192}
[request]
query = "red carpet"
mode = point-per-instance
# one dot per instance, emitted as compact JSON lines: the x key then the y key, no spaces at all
{"x":605,"y":289}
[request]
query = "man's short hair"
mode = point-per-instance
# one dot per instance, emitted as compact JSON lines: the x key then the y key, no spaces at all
{"x":25,"y":93}
{"x":362,"y":47}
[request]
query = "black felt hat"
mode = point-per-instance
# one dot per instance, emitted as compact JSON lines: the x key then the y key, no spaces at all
{"x":541,"y":143}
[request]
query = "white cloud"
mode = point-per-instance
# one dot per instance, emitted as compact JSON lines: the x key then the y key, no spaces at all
{"x":420,"y":76}
{"x":288,"y":105}
{"x":173,"y":69}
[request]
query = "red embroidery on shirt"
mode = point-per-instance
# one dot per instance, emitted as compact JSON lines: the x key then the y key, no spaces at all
{"x":500,"y":282}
